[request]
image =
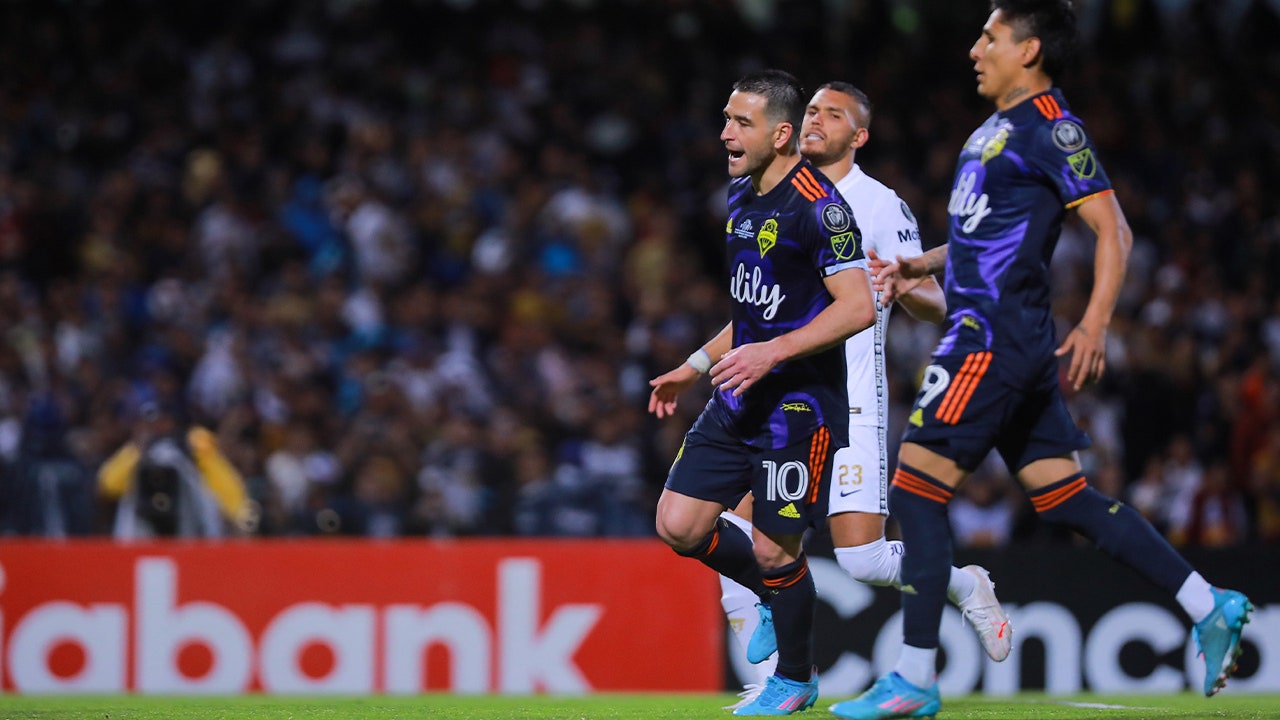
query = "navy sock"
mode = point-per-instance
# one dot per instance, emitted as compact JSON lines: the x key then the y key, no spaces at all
{"x":919,"y":503}
{"x":1117,"y":529}
{"x":728,"y":551}
{"x":793,"y":596}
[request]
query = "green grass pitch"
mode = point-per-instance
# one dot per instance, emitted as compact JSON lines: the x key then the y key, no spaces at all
{"x":605,"y":707}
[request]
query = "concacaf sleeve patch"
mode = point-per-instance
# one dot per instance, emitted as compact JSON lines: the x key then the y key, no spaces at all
{"x":835,"y":218}
{"x":1068,"y":136}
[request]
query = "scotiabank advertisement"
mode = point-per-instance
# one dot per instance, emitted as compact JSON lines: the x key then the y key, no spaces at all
{"x":474,"y":616}
{"x":563,"y":617}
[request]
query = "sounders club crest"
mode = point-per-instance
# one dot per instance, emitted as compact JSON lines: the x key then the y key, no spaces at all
{"x":995,"y":145}
{"x":768,"y":236}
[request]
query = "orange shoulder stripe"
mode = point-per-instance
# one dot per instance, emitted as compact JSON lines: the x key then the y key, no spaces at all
{"x":1048,"y":107}
{"x":808,"y":179}
{"x":803,"y":190}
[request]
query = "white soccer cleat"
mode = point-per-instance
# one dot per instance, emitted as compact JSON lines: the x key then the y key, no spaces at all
{"x":989,"y":620}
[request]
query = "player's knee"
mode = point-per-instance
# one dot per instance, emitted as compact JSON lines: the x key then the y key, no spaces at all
{"x":681,"y":529}
{"x":680,"y":538}
{"x":876,"y":563}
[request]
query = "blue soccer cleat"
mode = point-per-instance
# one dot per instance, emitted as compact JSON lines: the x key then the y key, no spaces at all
{"x":764,"y":641}
{"x":782,"y":696}
{"x":1218,"y":637}
{"x":891,"y":697}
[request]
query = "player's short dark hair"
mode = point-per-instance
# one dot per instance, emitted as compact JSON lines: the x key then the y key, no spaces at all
{"x":852,"y":91}
{"x":785,"y":99}
{"x":1053,"y":21}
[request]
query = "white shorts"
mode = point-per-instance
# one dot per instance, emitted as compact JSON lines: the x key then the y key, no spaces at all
{"x":859,"y":478}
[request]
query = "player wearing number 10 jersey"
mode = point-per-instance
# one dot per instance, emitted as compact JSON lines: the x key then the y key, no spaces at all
{"x":836,"y":125}
{"x":797,"y":278}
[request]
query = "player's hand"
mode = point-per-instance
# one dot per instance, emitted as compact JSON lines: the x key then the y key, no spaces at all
{"x":1088,"y":350}
{"x":667,"y":388}
{"x":890,"y":278}
{"x":743,"y":366}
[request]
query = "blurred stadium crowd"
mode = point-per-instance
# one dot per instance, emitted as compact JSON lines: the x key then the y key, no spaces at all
{"x":411,"y":264}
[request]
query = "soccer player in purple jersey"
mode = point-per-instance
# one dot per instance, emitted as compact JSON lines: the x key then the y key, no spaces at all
{"x":836,"y":125}
{"x":797,"y":277}
{"x":993,"y":382}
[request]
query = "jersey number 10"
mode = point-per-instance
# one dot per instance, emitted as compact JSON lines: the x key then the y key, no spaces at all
{"x":787,"y":482}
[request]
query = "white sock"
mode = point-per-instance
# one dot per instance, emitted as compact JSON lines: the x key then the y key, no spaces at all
{"x":1195,"y":597}
{"x":739,"y":606}
{"x":960,"y":586}
{"x":879,"y":562}
{"x":918,"y":666}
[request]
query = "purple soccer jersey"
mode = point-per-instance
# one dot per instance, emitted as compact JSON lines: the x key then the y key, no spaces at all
{"x":1017,"y":176}
{"x":779,"y":248}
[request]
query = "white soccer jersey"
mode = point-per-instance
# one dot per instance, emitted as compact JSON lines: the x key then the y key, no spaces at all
{"x":859,"y":480}
{"x":889,"y":228}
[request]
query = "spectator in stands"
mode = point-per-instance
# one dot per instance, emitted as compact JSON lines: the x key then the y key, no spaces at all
{"x":296,"y":203}
{"x":172,"y":481}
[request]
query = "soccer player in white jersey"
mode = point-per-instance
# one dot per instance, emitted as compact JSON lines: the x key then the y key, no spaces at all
{"x":834,"y":127}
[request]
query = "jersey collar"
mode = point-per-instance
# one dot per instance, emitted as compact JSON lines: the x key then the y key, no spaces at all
{"x":1049,"y":104}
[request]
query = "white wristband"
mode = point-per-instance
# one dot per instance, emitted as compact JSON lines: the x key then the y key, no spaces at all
{"x":700,"y":361}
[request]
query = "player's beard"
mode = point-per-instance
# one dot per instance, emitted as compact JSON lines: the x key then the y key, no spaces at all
{"x":827,"y":154}
{"x":752,"y":163}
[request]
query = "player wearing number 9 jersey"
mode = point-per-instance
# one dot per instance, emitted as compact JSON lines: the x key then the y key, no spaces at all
{"x":994,"y":378}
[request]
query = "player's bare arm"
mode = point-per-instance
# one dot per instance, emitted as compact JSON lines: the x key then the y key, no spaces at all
{"x":1087,"y":342}
{"x":922,"y":297}
{"x":668,"y":386}
{"x":885,"y":275}
{"x":851,"y":311}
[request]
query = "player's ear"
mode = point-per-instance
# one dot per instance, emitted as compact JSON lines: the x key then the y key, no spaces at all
{"x":782,"y":135}
{"x":1030,"y":51}
{"x":860,"y":137}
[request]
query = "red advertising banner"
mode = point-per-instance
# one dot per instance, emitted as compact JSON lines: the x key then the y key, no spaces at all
{"x":474,"y":616}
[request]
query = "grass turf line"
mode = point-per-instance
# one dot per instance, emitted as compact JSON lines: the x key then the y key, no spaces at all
{"x":605,"y":707}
